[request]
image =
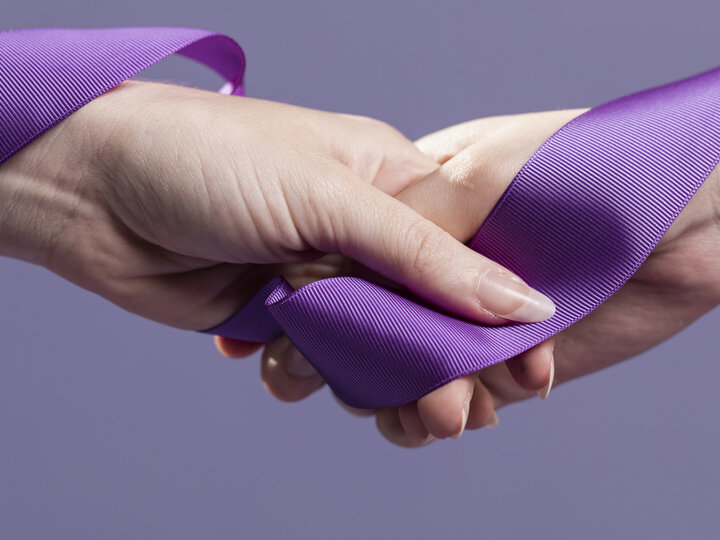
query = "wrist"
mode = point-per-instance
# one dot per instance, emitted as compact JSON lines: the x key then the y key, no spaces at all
{"x":687,"y":258}
{"x":44,"y":190}
{"x":713,"y":186}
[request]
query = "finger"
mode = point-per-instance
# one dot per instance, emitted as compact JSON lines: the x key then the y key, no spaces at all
{"x":299,"y":275}
{"x":390,"y":427}
{"x":445,"y":411}
{"x":460,"y":194}
{"x":446,"y":143}
{"x":502,"y":385}
{"x":413,"y":425}
{"x":235,"y":348}
{"x":480,"y":159}
{"x":285,"y":373}
{"x":534,"y":369}
{"x":353,"y":410}
{"x":387,"y":236}
{"x":398,"y":163}
{"x":482,"y":410}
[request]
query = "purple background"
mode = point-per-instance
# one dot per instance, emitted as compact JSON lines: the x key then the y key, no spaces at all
{"x":115,"y":427}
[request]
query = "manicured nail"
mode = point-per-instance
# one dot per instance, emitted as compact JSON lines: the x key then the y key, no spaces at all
{"x":494,"y":421}
{"x":465,"y":414}
{"x":296,"y":365}
{"x":545,"y":391}
{"x":512,"y":298}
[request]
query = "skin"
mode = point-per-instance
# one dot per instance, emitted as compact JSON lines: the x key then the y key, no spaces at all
{"x":177,"y":204}
{"x":676,"y":285}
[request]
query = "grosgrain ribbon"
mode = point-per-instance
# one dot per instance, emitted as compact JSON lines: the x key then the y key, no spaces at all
{"x":576,"y":222}
{"x":48,"y":73}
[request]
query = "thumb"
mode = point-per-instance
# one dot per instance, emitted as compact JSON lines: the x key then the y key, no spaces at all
{"x":389,"y":237}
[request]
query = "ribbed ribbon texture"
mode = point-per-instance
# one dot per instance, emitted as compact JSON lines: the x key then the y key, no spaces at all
{"x":576,"y":222}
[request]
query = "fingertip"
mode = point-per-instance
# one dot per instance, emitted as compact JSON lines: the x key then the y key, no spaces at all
{"x":235,"y":348}
{"x":544,"y":392}
{"x":482,"y":409}
{"x":353,"y":410}
{"x":533,"y":370}
{"x":507,"y":295}
{"x":413,"y":424}
{"x":389,"y":425}
{"x":296,"y":364}
{"x":278,"y":380}
{"x":445,"y":411}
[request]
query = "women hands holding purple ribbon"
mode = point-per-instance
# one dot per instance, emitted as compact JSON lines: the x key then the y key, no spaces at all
{"x":178,"y":204}
{"x":676,"y":284}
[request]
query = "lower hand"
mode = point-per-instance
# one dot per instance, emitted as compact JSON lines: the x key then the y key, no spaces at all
{"x":677,"y":283}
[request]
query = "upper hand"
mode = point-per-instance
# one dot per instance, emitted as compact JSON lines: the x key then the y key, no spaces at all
{"x":177,"y":204}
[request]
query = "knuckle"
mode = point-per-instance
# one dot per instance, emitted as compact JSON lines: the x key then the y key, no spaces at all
{"x":469,"y":172}
{"x":373,"y":123}
{"x":380,"y":127}
{"x":324,"y":219}
{"x":425,"y":244}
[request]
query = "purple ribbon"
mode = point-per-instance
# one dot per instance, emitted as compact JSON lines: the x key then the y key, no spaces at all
{"x":48,"y":73}
{"x":576,"y":222}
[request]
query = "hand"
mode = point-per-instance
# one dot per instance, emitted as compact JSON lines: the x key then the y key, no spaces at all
{"x":678,"y":283}
{"x":480,"y":160}
{"x":177,"y":203}
{"x":187,"y":199}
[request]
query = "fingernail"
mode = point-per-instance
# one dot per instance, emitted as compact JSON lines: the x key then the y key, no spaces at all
{"x":430,"y":438}
{"x":545,"y":391}
{"x":512,"y":298}
{"x":465,"y":414}
{"x":296,"y":365}
{"x":494,"y":421}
